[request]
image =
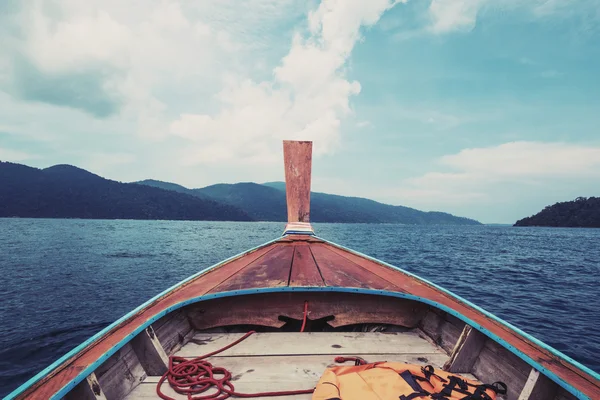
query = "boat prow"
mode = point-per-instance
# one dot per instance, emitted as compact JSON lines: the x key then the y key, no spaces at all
{"x":310,"y":301}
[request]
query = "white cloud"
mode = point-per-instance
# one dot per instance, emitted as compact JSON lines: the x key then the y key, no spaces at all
{"x":450,"y":15}
{"x":143,"y":53}
{"x":157,"y":64}
{"x":470,"y":174}
{"x":15,"y":155}
{"x":461,"y":15}
{"x":502,"y":183}
{"x":517,"y":160}
{"x":548,"y":7}
{"x":307,"y":98}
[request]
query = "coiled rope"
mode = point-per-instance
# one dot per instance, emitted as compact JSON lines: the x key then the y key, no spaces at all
{"x":197,"y":376}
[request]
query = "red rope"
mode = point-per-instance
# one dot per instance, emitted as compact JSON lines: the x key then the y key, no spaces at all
{"x":196,"y":376}
{"x":357,"y":360}
{"x":304,"y":318}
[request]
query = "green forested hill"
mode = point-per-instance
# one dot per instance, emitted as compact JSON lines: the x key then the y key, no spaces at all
{"x":582,"y":212}
{"x":64,"y":191}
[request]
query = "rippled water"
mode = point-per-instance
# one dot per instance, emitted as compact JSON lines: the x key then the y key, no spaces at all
{"x":64,"y":280}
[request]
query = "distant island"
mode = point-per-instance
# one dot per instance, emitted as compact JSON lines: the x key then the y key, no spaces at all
{"x":65,"y":191}
{"x":580,"y":213}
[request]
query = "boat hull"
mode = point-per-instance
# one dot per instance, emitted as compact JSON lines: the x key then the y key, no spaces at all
{"x":274,"y":280}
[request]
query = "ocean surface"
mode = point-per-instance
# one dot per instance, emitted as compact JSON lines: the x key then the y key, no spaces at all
{"x":64,"y":280}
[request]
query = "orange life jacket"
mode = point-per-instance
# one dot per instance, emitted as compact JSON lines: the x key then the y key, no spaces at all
{"x":393,"y":381}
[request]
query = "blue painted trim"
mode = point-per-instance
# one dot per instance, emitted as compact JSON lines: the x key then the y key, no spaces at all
{"x":94,"y":338}
{"x":83,"y":374}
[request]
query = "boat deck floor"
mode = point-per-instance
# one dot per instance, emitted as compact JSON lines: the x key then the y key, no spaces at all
{"x":291,"y":361}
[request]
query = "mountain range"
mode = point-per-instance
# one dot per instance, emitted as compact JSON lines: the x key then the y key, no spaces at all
{"x":65,"y":191}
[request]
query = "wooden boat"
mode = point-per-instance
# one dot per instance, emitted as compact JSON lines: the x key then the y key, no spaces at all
{"x":350,"y":304}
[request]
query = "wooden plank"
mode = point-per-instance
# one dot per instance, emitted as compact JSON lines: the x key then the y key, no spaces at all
{"x":338,"y":271}
{"x":121,"y":373}
{"x":259,"y":374}
{"x":147,"y":391}
{"x":150,"y":352}
{"x":88,"y":389}
{"x":538,"y":387}
{"x":173,"y":330}
{"x":562,"y":394}
{"x":298,"y":162}
{"x":399,"y":280}
{"x":443,"y":328}
{"x":304,"y":269}
{"x":495,"y":363}
{"x":287,"y":343}
{"x":271,"y":270}
{"x":345,"y":308}
{"x":466,"y":350}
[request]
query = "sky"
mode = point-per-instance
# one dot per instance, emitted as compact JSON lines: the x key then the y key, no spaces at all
{"x":488,"y":109}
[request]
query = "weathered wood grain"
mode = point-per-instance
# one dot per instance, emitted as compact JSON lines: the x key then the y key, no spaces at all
{"x":172,"y":331}
{"x":150,"y":352}
{"x":304,"y":269}
{"x":88,"y":389}
{"x":495,"y":363}
{"x":298,"y":162}
{"x":538,"y":387}
{"x":287,"y":343}
{"x":443,"y":328}
{"x":259,"y":374}
{"x":338,"y":271}
{"x":147,"y":391}
{"x":562,"y":394}
{"x":271,"y":270}
{"x":466,"y":350}
{"x":273,"y":373}
{"x":121,"y":373}
{"x":265,"y":309}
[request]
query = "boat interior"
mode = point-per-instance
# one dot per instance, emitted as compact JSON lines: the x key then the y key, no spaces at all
{"x":279,"y":357}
